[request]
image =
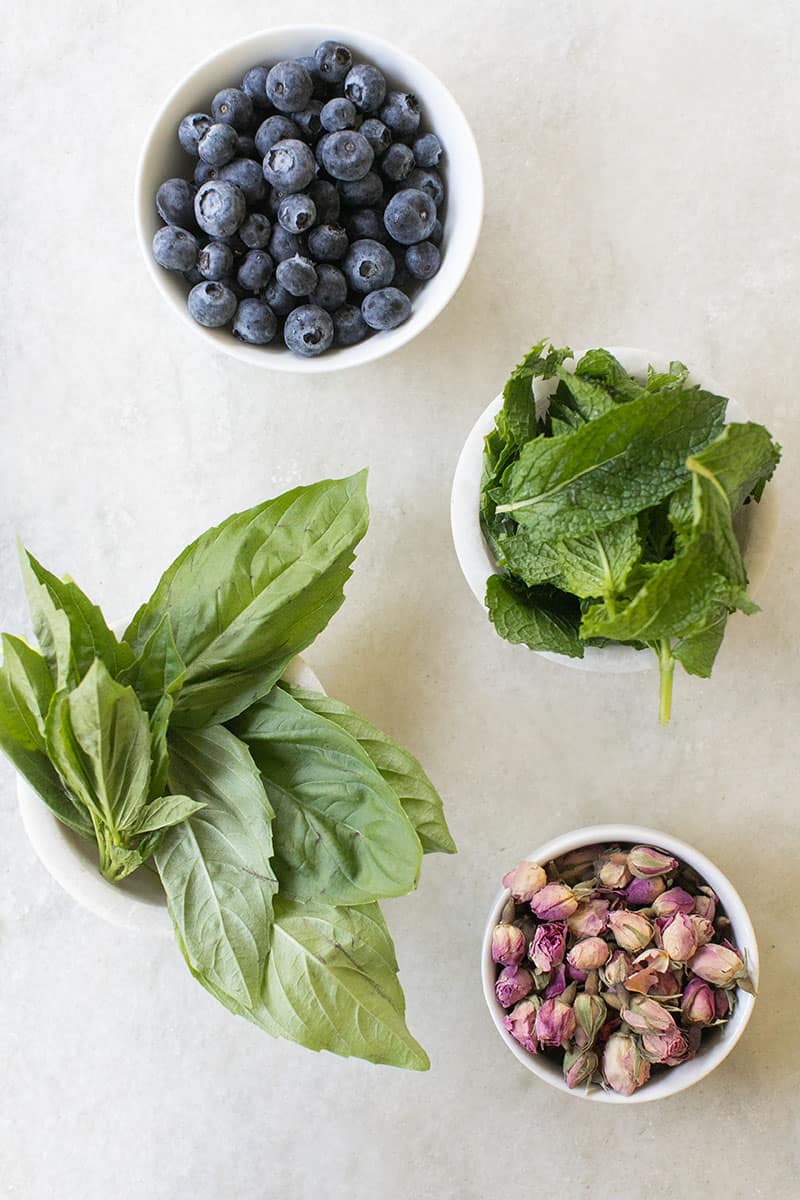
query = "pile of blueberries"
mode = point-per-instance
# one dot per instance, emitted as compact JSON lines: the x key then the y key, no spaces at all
{"x":314,"y":203}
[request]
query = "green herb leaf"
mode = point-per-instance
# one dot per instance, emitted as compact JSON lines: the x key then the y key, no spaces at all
{"x":519,"y":408}
{"x":167,"y":811}
{"x":51,"y":626}
{"x":540,"y":618}
{"x":697,"y":652}
{"x":159,"y":669}
{"x":607,"y":371}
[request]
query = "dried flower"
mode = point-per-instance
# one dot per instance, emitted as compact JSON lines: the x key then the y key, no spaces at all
{"x":697,"y":1003}
{"x":670,"y":1048}
{"x":579,"y":1067}
{"x":674,"y":901}
{"x":521,"y":1021}
{"x":665,"y":985}
{"x":644,"y":891}
{"x":706,"y":905}
{"x":589,"y":919}
{"x":591,"y":1013}
{"x":703,"y":929}
{"x":723,"y":1004}
{"x":717,"y":964}
{"x":508,"y":945}
{"x":647,"y":1016}
{"x":645,"y":862}
{"x":589,"y":954}
{"x":650,"y":966}
{"x":509,"y":912}
{"x":557,"y":982}
{"x":525,"y":881}
{"x":631,"y":930}
{"x":624,"y":1069}
{"x":617,"y":969}
{"x":549,"y":943}
{"x":513,"y":984}
{"x":554,"y":902}
{"x":613,"y":871}
{"x":555,"y":1022}
{"x":679,"y":938}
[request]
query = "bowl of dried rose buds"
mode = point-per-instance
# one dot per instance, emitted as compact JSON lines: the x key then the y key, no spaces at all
{"x":619,"y":964}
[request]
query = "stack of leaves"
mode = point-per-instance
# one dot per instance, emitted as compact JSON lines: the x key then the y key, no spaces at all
{"x":610,"y":516}
{"x":275,"y":817}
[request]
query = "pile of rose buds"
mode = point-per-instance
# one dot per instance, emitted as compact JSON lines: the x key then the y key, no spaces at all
{"x":615,"y":959}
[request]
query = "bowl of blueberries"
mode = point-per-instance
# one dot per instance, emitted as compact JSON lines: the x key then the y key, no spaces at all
{"x":309,"y":199}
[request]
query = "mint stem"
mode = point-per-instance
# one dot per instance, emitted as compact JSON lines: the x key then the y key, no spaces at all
{"x":666,"y":667}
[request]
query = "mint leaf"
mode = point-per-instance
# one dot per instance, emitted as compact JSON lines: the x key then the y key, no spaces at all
{"x":605,"y":370}
{"x":540,"y":618}
{"x":697,"y":652}
{"x":519,"y":408}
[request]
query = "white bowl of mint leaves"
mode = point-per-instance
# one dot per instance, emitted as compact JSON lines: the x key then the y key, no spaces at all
{"x":607,"y":515}
{"x":195,"y":759}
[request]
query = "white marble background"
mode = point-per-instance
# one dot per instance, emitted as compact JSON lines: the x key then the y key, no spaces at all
{"x":643,"y":188}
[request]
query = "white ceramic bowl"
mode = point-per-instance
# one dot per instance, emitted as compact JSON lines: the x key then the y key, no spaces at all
{"x":137,"y":902}
{"x":755,"y":524}
{"x":716,"y":1044}
{"x":163,"y":158}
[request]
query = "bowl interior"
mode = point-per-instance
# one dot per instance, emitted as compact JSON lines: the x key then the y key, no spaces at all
{"x":162,"y":158}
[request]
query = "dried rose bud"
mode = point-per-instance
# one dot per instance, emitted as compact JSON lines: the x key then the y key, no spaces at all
{"x":555,"y":902}
{"x":508,"y":945}
{"x":557,"y":983}
{"x":647,"y":1016}
{"x":705,"y":906}
{"x":591,"y":1013}
{"x":509,"y":912}
{"x":589,"y":954}
{"x":624,"y":1069}
{"x":723,"y":1004}
{"x":589,"y":919}
{"x":525,"y":881}
{"x":549,"y":943}
{"x":674,"y":901}
{"x":697,"y":1004}
{"x":579,"y":1067}
{"x":617,"y":969}
{"x":513,"y":984}
{"x":631,"y":930}
{"x":665,"y":986}
{"x":718,"y":965}
{"x":520,"y":1023}
{"x":670,"y":1048}
{"x":613,"y":870}
{"x":647,"y":970}
{"x":644,"y":862}
{"x":555,"y":1022}
{"x":644,"y":891}
{"x":679,"y":938}
{"x":703,"y":929}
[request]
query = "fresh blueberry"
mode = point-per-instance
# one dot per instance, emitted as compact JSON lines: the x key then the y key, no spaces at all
{"x":220,"y":208}
{"x":326,"y":198}
{"x":247,"y":148}
{"x":401,"y":112}
{"x":331,"y":290}
{"x":191,"y":129}
{"x":254,"y":85}
{"x":365,"y":223}
{"x":255,"y":270}
{"x":360,"y":193}
{"x":428,"y":181}
{"x":338,"y":114}
{"x":368,"y":265}
{"x":327,"y":243}
{"x":280,"y":301}
{"x":410,"y":216}
{"x":203,"y":171}
{"x":297,"y":212}
{"x":215,"y":261}
{"x":436,"y":233}
{"x":290,"y":165}
{"x":308,"y":120}
{"x":422,"y":260}
{"x":397,"y":163}
{"x":248,"y":176}
{"x":308,"y":330}
{"x":233,"y":107}
{"x":427,"y":150}
{"x":255,"y":231}
{"x":322,"y":140}
{"x":176,"y":249}
{"x":276,"y":128}
{"x":255,"y":322}
{"x":349,"y":327}
{"x":175,"y":202}
{"x":365,"y":86}
{"x":377,"y":134}
{"x":347,"y":154}
{"x":275,"y":198}
{"x":193,"y":275}
{"x":289,"y":86}
{"x":333,"y":61}
{"x":211,"y":304}
{"x":284,"y":245}
{"x":218,"y":144}
{"x":297,"y":274}
{"x":386,"y":308}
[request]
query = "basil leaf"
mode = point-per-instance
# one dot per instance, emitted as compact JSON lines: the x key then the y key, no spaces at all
{"x":51,"y":626}
{"x":215,"y":866}
{"x":340,"y":832}
{"x":159,"y":668}
{"x":254,"y":591}
{"x":421,"y":802}
{"x":167,"y":811}
{"x":159,"y":746}
{"x":540,"y":618}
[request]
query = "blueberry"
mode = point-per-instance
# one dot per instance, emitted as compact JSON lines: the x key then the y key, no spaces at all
{"x":255,"y":231}
{"x":410,"y":216}
{"x":280,"y":301}
{"x":436,"y":233}
{"x":175,"y":202}
{"x":247,"y":148}
{"x":377,"y":134}
{"x":366,"y":87}
{"x":401,"y":112}
{"x":283,"y":245}
{"x":368,"y":265}
{"x":193,"y":275}
{"x":360,"y":193}
{"x":338,"y":114}
{"x":275,"y":198}
{"x":275,"y":129}
{"x":203,"y":171}
{"x":347,"y":155}
{"x":386,"y":308}
{"x":219,"y":207}
{"x":308,"y":120}
{"x":349,"y":327}
{"x":215,"y":261}
{"x":174,"y":248}
{"x":322,"y":140}
{"x":248,"y":176}
{"x":255,"y":322}
{"x":255,"y":270}
{"x":427,"y":150}
{"x":297,"y":274}
{"x":290,"y":165}
{"x":289,"y":86}
{"x":297,"y":212}
{"x":428,"y":181}
{"x":191,"y":129}
{"x":331,"y":290}
{"x":218,"y":144}
{"x":308,"y":330}
{"x":366,"y":223}
{"x":211,"y":304}
{"x":422,"y":260}
{"x":333,"y":61}
{"x":327,"y":243}
{"x":233,"y":107}
{"x":397,"y":163}
{"x":254,"y":85}
{"x":326,"y":198}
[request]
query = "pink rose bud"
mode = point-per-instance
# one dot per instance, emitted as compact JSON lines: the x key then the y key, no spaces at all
{"x":579,"y":1067}
{"x":555,"y":902}
{"x":644,"y":891}
{"x":717,"y":964}
{"x":647,"y":1016}
{"x":549,"y":943}
{"x":555,"y":1022}
{"x":525,"y":881}
{"x":617,"y":969}
{"x":665,"y":985}
{"x":557,"y":982}
{"x":679,"y":938}
{"x":508,"y":945}
{"x":624,"y":1069}
{"x":723,"y":1006}
{"x":520,"y":1023}
{"x":589,"y":954}
{"x":631,"y":930}
{"x":697,"y":1004}
{"x":513,"y":984}
{"x":613,"y":871}
{"x":703,"y":929}
{"x":644,"y":862}
{"x":671,"y":902}
{"x":591,"y":1013}
{"x":705,"y":906}
{"x":589,"y":919}
{"x":670,"y":1048}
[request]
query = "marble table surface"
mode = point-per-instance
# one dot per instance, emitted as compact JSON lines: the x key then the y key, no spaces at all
{"x":642,"y":189}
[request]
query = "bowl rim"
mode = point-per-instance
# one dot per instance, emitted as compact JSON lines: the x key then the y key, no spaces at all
{"x":372,"y":348}
{"x":679,"y":1078}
